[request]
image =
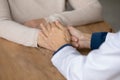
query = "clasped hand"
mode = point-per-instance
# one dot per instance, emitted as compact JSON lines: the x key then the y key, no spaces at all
{"x":53,"y":35}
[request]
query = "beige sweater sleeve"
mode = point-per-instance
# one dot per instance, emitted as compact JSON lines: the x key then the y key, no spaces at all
{"x":85,"y":11}
{"x":13,"y":31}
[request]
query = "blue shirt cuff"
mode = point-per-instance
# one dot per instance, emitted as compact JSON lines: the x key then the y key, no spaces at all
{"x":97,"y":39}
{"x":61,"y":48}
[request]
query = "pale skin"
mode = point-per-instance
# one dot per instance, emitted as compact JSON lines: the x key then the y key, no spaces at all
{"x":78,"y":38}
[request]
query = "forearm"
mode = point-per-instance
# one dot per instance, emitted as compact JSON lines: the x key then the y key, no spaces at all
{"x":18,"y":33}
{"x":13,"y":31}
{"x":83,"y":15}
{"x":91,"y":41}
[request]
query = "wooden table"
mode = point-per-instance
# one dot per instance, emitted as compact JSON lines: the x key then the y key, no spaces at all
{"x":25,"y":63}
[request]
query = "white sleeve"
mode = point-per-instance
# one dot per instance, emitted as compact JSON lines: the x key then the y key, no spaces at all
{"x":85,"y":11}
{"x":64,"y":61}
{"x":13,"y":31}
{"x":100,"y":64}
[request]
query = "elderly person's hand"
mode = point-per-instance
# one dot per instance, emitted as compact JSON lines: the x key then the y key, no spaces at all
{"x":53,"y":36}
{"x":80,"y":39}
{"x":35,"y":23}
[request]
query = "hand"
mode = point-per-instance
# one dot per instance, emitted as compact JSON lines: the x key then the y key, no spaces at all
{"x":79,"y":39}
{"x":53,"y":36}
{"x":35,"y":23}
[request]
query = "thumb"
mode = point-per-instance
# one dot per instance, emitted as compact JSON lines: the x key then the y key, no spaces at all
{"x":75,"y":39}
{"x":75,"y":44}
{"x":73,"y":31}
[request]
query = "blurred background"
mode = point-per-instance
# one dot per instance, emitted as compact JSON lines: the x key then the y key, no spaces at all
{"x":112,"y":12}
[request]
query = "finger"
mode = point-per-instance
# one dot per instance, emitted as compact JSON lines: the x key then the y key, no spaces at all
{"x":44,"y":41}
{"x":73,"y":31}
{"x":41,"y":38}
{"x":44,"y":30}
{"x":59,"y":25}
{"x":75,"y":39}
{"x":47,"y":27}
{"x":74,"y":44}
{"x":67,"y":35}
{"x":42,"y":27}
{"x":53,"y":25}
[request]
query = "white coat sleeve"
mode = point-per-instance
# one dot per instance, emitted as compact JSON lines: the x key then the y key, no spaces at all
{"x":99,"y":64}
{"x":13,"y":31}
{"x":85,"y":11}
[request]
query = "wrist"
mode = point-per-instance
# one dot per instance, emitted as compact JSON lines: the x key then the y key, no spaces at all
{"x":58,"y":46}
{"x":61,"y":48}
{"x":38,"y":40}
{"x":85,"y":40}
{"x":88,"y":40}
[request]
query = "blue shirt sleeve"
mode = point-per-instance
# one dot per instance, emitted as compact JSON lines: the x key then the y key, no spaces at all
{"x":97,"y":39}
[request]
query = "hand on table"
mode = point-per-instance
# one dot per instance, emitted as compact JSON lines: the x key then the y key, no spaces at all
{"x":53,"y":36}
{"x":79,"y":39}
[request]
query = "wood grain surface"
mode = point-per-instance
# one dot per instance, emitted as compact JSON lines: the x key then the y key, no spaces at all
{"x":18,"y":62}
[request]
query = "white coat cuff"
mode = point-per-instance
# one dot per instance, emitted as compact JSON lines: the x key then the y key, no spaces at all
{"x":62,"y":53}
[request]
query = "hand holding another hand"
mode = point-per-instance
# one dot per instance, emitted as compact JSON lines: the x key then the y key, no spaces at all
{"x":53,"y":36}
{"x":80,"y":39}
{"x":53,"y":33}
